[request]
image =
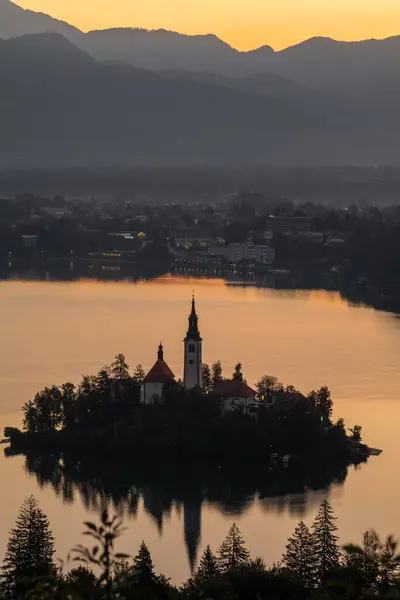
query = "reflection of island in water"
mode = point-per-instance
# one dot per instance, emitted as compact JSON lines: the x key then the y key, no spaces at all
{"x":162,"y":489}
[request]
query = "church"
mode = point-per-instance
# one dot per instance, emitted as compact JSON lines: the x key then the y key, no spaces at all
{"x":160,"y":373}
{"x":234,"y":393}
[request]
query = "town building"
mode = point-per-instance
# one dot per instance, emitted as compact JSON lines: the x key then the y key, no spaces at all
{"x":236,"y":253}
{"x":288,"y":223}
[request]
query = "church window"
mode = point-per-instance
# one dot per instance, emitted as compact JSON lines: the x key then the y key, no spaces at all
{"x":191,"y":348}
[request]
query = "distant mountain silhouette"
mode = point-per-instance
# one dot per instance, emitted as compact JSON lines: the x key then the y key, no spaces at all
{"x":16,"y":21}
{"x":319,"y":62}
{"x":60,"y":107}
{"x":93,"y":98}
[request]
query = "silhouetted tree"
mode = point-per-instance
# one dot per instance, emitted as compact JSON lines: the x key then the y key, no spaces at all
{"x":356,"y":433}
{"x":143,"y":565}
{"x":232,"y":552}
{"x":327,"y":552}
{"x":268,"y":385}
{"x":138,"y":374}
{"x":206,"y":377}
{"x":323,"y":402}
{"x":364,"y":559}
{"x":300,"y":556}
{"x":102,"y":554}
{"x":68,"y":401}
{"x":44,"y":412}
{"x":379,"y":562}
{"x":237,"y":374}
{"x":216,"y":370}
{"x":119,"y":368}
{"x":207,"y":569}
{"x":30,"y":547}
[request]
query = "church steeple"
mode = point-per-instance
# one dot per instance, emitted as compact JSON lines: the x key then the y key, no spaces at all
{"x":160,"y":353}
{"x":193,"y":332}
{"x":193,"y":376}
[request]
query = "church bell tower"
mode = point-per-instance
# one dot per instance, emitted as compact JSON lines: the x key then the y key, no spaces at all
{"x":192,"y":376}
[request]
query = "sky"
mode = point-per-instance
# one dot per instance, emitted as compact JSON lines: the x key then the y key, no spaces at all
{"x":244,"y":24}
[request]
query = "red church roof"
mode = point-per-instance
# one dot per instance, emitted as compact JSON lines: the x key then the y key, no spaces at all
{"x":159,"y":373}
{"x":234,"y":388}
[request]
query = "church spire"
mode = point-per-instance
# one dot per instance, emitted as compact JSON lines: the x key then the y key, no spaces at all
{"x":160,"y":352}
{"x":193,"y":332}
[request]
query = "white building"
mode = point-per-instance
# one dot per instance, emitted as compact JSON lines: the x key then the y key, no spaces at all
{"x":235,"y":253}
{"x":160,"y":374}
{"x":235,"y":394}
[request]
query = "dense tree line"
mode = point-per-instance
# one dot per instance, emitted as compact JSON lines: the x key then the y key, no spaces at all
{"x":103,"y":414}
{"x":313,"y":566}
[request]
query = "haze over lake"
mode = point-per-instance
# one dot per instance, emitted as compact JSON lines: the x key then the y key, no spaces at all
{"x":53,"y":332}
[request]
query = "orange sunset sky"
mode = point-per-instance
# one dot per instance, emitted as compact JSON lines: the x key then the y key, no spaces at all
{"x":245,"y":24}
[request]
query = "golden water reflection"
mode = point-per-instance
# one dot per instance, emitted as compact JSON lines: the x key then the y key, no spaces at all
{"x":54,"y":332}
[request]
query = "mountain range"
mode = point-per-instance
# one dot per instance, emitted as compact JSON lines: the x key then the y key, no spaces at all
{"x":131,"y":96}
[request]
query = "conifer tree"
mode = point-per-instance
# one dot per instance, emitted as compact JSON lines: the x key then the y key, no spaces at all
{"x":232,"y":553}
{"x":207,"y":569}
{"x":327,"y":552}
{"x":139,"y":374}
{"x":30,"y":547}
{"x":119,"y":368}
{"x":143,"y":565}
{"x":216,"y":373}
{"x":300,"y":556}
{"x":206,"y":378}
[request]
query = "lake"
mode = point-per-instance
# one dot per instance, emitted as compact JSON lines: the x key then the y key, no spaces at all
{"x":53,"y":332}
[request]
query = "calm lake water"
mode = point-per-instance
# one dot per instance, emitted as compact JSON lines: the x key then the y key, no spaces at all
{"x":54,"y":332}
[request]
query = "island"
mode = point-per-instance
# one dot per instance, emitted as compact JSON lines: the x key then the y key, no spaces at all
{"x":205,"y":418}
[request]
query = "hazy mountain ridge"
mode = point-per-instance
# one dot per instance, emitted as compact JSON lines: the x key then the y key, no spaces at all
{"x":320,"y":102}
{"x":16,"y":21}
{"x":319,"y":61}
{"x":68,"y":109}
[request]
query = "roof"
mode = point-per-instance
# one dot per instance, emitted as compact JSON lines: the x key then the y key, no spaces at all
{"x":234,"y":388}
{"x":159,"y":373}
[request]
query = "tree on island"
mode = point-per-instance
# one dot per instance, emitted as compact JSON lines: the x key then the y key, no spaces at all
{"x":206,"y":378}
{"x":216,"y":371}
{"x":30,"y":548}
{"x":143,"y":565}
{"x":268,"y":385}
{"x":138,"y":374}
{"x":232,"y":552}
{"x":356,"y":433}
{"x":300,"y":554}
{"x":207,"y":569}
{"x":323,"y":402}
{"x":237,"y":373}
{"x":327,"y":551}
{"x":44,"y":412}
{"x":120,"y":368}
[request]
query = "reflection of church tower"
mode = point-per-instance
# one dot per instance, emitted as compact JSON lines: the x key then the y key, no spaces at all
{"x":192,"y":529}
{"x":192,"y":376}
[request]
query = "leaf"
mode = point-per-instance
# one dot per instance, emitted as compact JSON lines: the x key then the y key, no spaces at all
{"x":95,"y":550}
{"x":90,"y":525}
